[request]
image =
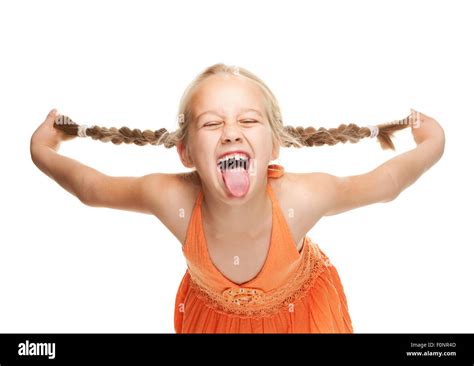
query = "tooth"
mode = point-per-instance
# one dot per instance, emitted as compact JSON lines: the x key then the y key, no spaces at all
{"x":236,"y":160}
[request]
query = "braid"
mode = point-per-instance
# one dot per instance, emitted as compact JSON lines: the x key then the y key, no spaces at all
{"x":116,"y":136}
{"x":308,"y":136}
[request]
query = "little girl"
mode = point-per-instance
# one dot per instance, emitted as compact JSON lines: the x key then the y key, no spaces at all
{"x":242,"y":222}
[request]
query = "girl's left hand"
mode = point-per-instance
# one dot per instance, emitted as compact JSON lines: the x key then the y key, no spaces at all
{"x":424,"y":127}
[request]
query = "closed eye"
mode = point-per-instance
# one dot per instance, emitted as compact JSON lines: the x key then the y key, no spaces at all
{"x":211,"y":124}
{"x":247,"y":121}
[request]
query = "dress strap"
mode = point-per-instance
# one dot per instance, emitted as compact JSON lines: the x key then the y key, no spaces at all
{"x":275,"y":171}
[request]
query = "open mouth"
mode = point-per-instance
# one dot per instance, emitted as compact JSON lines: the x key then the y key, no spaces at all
{"x":234,"y":171}
{"x":233,"y":161}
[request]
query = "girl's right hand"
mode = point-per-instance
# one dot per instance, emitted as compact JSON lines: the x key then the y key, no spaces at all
{"x":47,"y":135}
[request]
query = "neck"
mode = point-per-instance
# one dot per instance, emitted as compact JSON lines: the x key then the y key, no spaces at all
{"x":237,"y":220}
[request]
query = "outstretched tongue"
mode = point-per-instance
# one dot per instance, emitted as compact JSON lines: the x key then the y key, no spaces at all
{"x":236,"y":181}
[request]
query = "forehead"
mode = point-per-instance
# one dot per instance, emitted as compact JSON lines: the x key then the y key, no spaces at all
{"x":227,"y":94}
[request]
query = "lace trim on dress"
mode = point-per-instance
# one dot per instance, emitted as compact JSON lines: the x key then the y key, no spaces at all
{"x":255,"y":303}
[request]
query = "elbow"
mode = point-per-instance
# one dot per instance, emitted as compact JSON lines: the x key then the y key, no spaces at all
{"x":393,"y":186}
{"x":394,"y":194}
{"x":88,"y":201}
{"x":84,"y":199}
{"x":86,"y":192}
{"x":392,"y":191}
{"x":442,"y":143}
{"x":436,"y":148}
{"x":441,"y":148}
{"x":83,"y":195}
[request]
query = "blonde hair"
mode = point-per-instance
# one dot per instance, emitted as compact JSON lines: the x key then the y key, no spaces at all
{"x":272,"y":108}
{"x":284,"y":135}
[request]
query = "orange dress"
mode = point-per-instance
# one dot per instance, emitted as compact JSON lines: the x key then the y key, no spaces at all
{"x":294,"y":292}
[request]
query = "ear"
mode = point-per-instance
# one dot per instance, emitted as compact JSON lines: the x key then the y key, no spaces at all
{"x":184,"y":155}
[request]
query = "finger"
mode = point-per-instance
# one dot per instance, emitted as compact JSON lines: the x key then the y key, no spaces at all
{"x":52,"y":113}
{"x":415,"y":118}
{"x":51,"y":116}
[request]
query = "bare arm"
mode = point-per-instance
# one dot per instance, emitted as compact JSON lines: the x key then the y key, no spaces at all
{"x":383,"y":184}
{"x":68,"y":173}
{"x":90,"y":186}
{"x":406,"y":168}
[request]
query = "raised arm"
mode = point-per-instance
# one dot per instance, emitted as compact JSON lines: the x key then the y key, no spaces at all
{"x":406,"y":168}
{"x":90,"y":186}
{"x":68,"y":173}
{"x":334,"y":195}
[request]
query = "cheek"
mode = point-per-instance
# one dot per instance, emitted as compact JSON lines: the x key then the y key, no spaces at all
{"x":204,"y":148}
{"x":262,"y":140}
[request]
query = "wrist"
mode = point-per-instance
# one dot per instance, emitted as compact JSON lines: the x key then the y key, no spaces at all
{"x":434,"y":146}
{"x":36,"y":144}
{"x":39,"y":152}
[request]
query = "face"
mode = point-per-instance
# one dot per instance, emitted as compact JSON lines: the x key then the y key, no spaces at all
{"x":228,"y":115}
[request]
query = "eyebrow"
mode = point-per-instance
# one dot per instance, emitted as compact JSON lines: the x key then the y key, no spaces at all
{"x":241,"y":111}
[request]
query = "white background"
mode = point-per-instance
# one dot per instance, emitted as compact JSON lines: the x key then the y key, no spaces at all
{"x":406,"y":266}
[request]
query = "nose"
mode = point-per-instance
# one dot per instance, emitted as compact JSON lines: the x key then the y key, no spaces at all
{"x":231,"y":134}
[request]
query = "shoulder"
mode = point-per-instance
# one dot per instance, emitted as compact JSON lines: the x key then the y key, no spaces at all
{"x":326,"y":194}
{"x":303,"y":186}
{"x":303,"y":197}
{"x":172,"y":197}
